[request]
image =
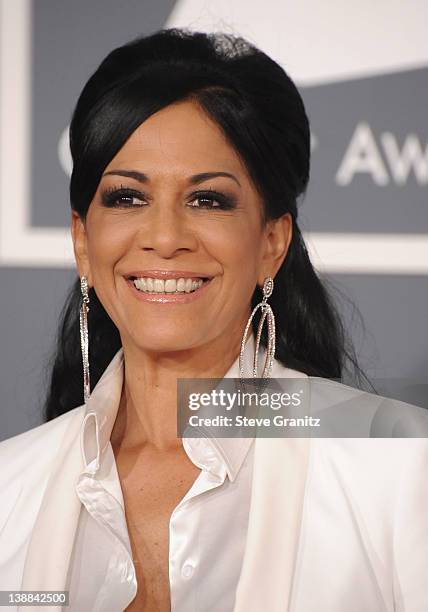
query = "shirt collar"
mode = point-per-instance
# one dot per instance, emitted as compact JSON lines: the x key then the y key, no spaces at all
{"x":103,"y":404}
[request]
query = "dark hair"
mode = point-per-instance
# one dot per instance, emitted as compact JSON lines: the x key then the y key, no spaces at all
{"x":260,"y":111}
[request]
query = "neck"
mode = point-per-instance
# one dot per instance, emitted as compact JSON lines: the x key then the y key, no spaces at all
{"x":147,"y":415}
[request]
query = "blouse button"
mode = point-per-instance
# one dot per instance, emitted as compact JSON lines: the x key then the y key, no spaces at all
{"x":187,"y":570}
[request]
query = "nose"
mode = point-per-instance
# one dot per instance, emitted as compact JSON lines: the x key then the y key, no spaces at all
{"x":166,"y":230}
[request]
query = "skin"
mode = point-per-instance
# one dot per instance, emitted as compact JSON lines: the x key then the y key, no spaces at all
{"x":162,"y":342}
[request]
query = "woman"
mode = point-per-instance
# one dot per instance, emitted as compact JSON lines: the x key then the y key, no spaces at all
{"x":190,"y":152}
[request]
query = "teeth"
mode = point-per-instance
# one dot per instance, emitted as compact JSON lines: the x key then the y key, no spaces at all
{"x":171,"y":285}
{"x":159,"y":286}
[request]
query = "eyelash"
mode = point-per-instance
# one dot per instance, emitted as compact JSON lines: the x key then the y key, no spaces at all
{"x":111,"y":195}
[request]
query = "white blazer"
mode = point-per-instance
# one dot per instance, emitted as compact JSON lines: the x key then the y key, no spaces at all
{"x":335,"y":525}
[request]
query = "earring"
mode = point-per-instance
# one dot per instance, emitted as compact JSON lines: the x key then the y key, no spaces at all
{"x":270,"y":352}
{"x":84,"y":339}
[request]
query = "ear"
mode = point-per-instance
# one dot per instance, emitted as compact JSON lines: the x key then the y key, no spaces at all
{"x":78,"y":233}
{"x":278,"y":234}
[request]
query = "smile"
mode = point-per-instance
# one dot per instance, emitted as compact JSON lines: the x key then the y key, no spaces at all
{"x":168,"y":285}
{"x":168,"y":290}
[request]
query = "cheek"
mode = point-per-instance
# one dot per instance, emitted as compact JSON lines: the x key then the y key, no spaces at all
{"x":107,"y":245}
{"x":237,"y":249}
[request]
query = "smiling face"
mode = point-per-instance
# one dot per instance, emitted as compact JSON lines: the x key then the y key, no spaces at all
{"x":177,"y":200}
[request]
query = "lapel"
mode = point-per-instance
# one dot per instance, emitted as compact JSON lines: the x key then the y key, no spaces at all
{"x":279,"y":478}
{"x":52,"y":537}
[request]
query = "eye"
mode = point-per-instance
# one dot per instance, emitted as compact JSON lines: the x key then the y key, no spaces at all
{"x":211,"y":199}
{"x":123,"y":197}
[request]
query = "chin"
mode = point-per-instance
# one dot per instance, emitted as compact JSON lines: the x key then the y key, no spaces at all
{"x":167,"y":342}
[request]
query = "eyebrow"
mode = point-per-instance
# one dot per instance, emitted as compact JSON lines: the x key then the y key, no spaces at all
{"x":193,"y":180}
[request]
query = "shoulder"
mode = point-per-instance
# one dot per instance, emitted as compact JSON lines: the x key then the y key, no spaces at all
{"x":27,"y":461}
{"x":371,"y":441}
{"x":351,"y":412}
{"x":374,"y":446}
{"x":32,"y":451}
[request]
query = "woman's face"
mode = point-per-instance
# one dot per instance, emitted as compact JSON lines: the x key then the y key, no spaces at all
{"x":176,"y":203}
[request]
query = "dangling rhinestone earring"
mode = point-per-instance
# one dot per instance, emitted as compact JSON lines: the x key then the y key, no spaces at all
{"x":270,"y":351}
{"x":84,"y":340}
